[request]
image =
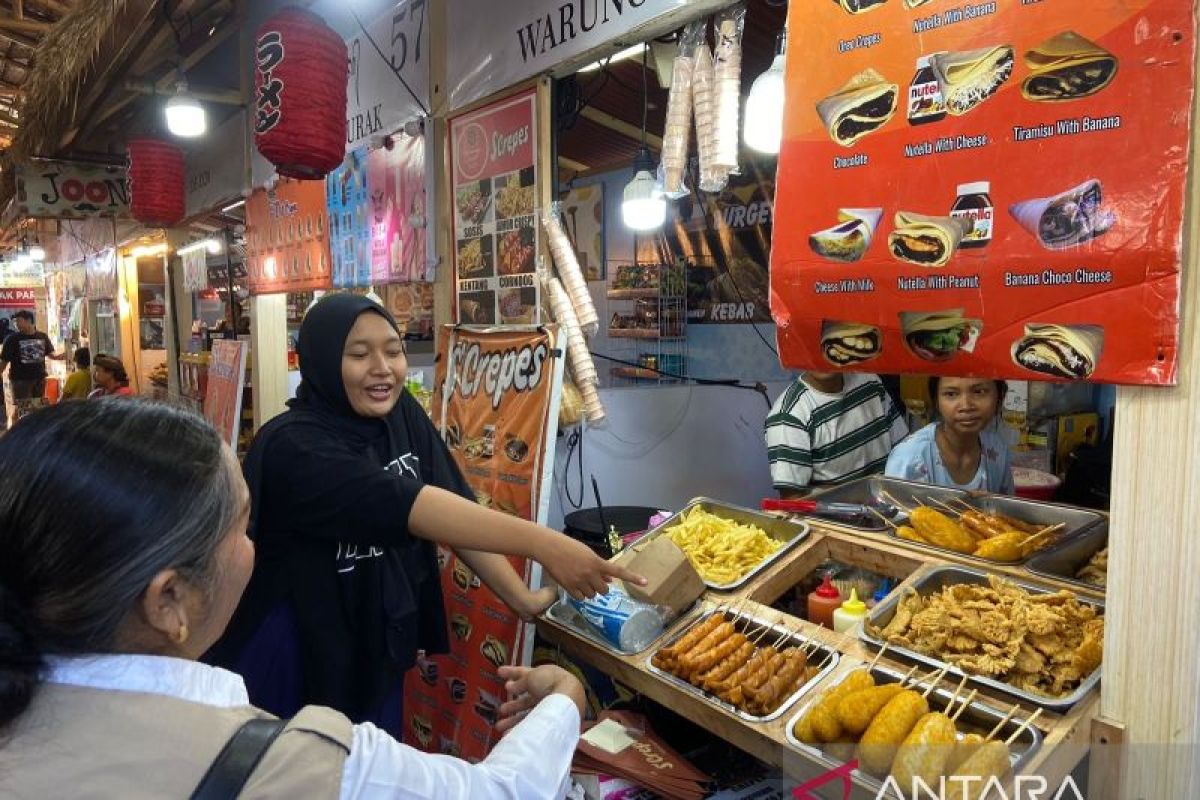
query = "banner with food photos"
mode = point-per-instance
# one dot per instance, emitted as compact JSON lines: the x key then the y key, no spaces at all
{"x":492,"y":403}
{"x":493,"y":153}
{"x":984,"y":188}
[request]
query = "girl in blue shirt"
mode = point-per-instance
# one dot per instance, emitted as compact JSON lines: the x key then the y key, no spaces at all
{"x":960,"y":448}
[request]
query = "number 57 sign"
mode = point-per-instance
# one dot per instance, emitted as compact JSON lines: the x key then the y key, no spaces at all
{"x":398,"y":43}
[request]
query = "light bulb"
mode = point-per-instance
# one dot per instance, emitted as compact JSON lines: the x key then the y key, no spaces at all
{"x":764,"y":109}
{"x":642,"y":206}
{"x":185,"y":115}
{"x":37,"y":253}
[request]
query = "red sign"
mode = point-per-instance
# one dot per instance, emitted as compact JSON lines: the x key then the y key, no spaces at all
{"x":223,"y":395}
{"x":987,"y":189}
{"x":495,"y":425}
{"x":287,"y":249}
{"x":17,"y":298}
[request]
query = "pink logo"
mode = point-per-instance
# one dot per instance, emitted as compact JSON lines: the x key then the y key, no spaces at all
{"x":801,"y":792}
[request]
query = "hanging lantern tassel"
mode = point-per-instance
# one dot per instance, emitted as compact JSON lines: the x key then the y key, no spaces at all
{"x":583,"y":368}
{"x":727,"y":77}
{"x":157,"y":175}
{"x":300,"y":72}
{"x":568,"y":269}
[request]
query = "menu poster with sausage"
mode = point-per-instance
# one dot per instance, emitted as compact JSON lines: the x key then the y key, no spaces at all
{"x":491,"y":403}
{"x":287,"y":249}
{"x":349,"y":228}
{"x":976,"y":187}
{"x":493,"y":151}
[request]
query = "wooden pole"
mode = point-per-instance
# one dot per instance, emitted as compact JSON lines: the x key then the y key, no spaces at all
{"x":1151,"y":680}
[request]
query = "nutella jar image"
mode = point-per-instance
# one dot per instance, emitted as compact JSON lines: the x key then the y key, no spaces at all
{"x":925,"y":102}
{"x":975,"y":204}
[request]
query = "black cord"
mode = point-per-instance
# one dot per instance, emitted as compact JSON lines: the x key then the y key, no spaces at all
{"x":574,"y":446}
{"x":753,"y":324}
{"x":645,"y":90}
{"x":387,"y":60}
{"x":732,"y":383}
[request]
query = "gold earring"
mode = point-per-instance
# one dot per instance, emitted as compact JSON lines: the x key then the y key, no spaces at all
{"x":182,"y":634}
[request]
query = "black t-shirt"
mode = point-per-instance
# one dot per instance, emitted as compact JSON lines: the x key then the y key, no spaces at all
{"x":26,"y":354}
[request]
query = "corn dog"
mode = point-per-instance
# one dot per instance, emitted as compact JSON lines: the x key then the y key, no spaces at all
{"x":856,"y":710}
{"x":823,"y":714}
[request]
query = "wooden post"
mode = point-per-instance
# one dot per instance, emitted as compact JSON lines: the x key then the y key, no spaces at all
{"x":1151,"y":669}
{"x":441,"y":202}
{"x":268,"y":356}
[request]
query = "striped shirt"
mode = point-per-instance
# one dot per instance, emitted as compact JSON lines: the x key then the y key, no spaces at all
{"x":814,"y":438}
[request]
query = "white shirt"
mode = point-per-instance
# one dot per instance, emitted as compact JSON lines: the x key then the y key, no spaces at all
{"x":530,"y":763}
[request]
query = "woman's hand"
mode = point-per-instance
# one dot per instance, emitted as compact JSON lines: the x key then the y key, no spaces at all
{"x":579,"y":570}
{"x":527,"y":687}
{"x":535,"y":601}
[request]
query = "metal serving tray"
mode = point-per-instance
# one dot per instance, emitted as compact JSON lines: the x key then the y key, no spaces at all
{"x":751,"y":626}
{"x":933,"y":581}
{"x":789,"y":532}
{"x":1065,"y":559}
{"x":979,"y":718}
{"x":565,"y":615}
{"x":869,"y":491}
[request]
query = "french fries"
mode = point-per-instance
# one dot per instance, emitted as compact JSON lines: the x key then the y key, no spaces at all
{"x":721,"y":550}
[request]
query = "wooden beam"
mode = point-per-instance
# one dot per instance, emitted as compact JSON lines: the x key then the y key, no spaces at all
{"x":53,"y":6}
{"x":571,"y":164}
{"x":228,"y":97}
{"x":19,"y":9}
{"x":620,"y":126}
{"x":24,"y":26}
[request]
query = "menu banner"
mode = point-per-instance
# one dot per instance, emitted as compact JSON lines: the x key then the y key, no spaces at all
{"x":492,"y":400}
{"x":286,"y":245}
{"x":396,"y":185}
{"x":70,"y":190}
{"x":493,"y":152}
{"x":984,"y":188}
{"x":226,"y":377}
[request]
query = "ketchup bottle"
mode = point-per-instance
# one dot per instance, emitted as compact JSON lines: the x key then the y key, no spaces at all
{"x":822,"y":602}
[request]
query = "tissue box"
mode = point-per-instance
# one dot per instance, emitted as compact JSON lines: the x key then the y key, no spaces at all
{"x":672,"y":581}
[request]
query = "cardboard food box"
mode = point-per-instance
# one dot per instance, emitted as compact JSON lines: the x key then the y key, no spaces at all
{"x":672,"y":581}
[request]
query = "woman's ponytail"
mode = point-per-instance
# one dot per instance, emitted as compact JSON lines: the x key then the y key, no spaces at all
{"x":20,"y":662}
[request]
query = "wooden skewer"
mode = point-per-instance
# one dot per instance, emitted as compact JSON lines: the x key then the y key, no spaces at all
{"x":948,"y":507}
{"x":879,"y":655}
{"x":1002,"y":722}
{"x":936,"y":677}
{"x":966,"y":702}
{"x":957,"y":690}
{"x":886,"y":521}
{"x":1049,"y":530}
{"x":906,"y":677}
{"x":1028,"y":721}
{"x":759,"y":636}
{"x":886,"y":496}
{"x":963,"y":503}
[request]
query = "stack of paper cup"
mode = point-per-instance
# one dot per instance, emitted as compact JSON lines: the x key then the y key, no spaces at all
{"x":679,"y":125}
{"x":568,"y":269}
{"x":727,"y":76}
{"x":583,"y":368}
{"x":711,"y":179}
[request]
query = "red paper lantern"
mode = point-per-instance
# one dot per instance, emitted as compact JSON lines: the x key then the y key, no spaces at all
{"x":300,"y":74}
{"x":157,"y":177}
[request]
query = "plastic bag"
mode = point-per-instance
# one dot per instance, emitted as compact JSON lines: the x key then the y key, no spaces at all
{"x":679,"y":112}
{"x":727,"y":85}
{"x":567,"y":264}
{"x":583,"y":368}
{"x":712,"y":179}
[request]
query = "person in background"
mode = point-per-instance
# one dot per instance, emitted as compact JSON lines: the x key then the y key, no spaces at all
{"x":830,"y":427}
{"x":352,"y":487}
{"x":79,"y":382}
{"x":24,"y":355}
{"x":5,"y":329}
{"x":108,"y":597}
{"x":110,"y":377}
{"x":960,"y":448}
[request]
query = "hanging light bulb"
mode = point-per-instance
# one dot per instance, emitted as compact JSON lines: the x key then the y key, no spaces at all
{"x":37,"y":252}
{"x":185,"y":116}
{"x":643,"y":207}
{"x":763,"y":127}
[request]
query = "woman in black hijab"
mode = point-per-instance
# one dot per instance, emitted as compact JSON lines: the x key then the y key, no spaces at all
{"x":351,"y":487}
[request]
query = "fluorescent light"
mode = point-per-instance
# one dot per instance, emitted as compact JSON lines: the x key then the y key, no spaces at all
{"x":232,"y":206}
{"x":628,"y":52}
{"x":143,"y":251}
{"x":211,"y":244}
{"x":763,"y":127}
{"x":643,"y":207}
{"x":185,"y":116}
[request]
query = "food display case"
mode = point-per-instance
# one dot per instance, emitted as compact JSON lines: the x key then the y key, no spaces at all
{"x":1049,"y":735}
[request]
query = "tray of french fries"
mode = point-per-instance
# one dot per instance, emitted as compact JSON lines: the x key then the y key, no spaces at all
{"x":727,"y":544}
{"x":926,"y":736}
{"x":1028,"y":641}
{"x":753,"y":668}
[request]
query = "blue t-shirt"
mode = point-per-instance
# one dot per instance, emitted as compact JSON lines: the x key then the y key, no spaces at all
{"x":917,"y":459}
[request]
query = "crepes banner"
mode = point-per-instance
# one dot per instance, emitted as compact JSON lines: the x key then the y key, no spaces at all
{"x":492,"y":403}
{"x":493,"y":152}
{"x":984,"y":188}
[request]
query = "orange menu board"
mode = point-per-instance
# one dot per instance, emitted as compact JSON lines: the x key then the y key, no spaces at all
{"x":287,"y":249}
{"x":493,"y":414}
{"x":990,"y":187}
{"x":223,"y":398}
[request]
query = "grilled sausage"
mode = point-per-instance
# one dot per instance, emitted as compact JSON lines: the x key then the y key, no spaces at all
{"x":763,"y":673}
{"x":686,"y":664}
{"x":691,"y":638}
{"x":730,"y":665}
{"x":857,"y":709}
{"x":711,"y":658}
{"x":971,"y":778}
{"x":887,"y":731}
{"x":722,"y":687}
{"x":767,"y":697}
{"x":925,"y":752}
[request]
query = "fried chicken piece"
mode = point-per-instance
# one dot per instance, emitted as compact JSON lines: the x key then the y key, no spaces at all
{"x":909,"y":606}
{"x":1029,"y":661}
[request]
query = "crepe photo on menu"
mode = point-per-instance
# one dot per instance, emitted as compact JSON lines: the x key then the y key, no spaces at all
{"x":925,"y":240}
{"x":847,"y":343}
{"x":939,"y":335}
{"x":864,"y":104}
{"x":850,"y":238}
{"x":1067,"y":219}
{"x":1061,"y":351}
{"x":969,"y":77}
{"x":859,"y":6}
{"x":1067,"y":67}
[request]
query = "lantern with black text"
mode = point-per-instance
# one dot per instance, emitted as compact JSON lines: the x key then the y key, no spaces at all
{"x":156,"y":182}
{"x":300,"y":76}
